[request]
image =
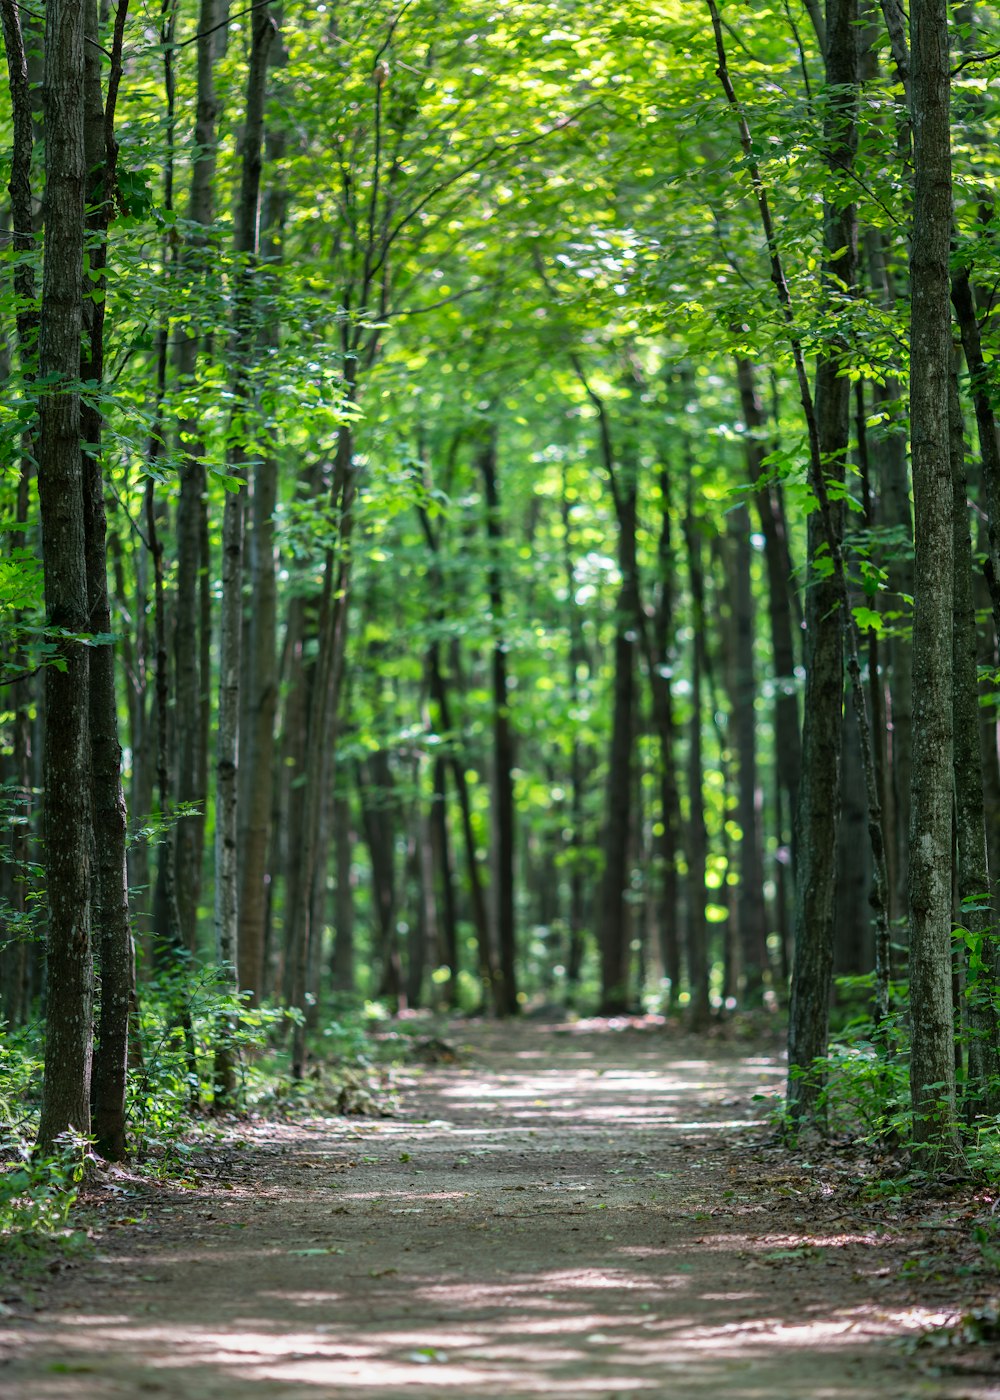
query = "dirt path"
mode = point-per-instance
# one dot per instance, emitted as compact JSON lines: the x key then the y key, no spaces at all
{"x":563,"y":1214}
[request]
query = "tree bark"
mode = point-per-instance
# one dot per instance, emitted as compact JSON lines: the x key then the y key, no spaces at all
{"x":932,"y":1063}
{"x":67,"y":764}
{"x":192,"y":508}
{"x":782,"y":610}
{"x":697,"y":833}
{"x":503,"y":749}
{"x":15,"y":958}
{"x":658,"y":646}
{"x":826,"y":604}
{"x":751,"y":915}
{"x":260,"y":684}
{"x":111,"y":899}
{"x":231,"y":620}
{"x":977,"y":904}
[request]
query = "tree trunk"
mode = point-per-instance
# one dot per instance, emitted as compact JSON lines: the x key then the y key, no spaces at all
{"x":503,"y":749}
{"x":751,"y":915}
{"x":67,"y":768}
{"x":697,"y":834}
{"x":376,"y":790}
{"x":975,"y":889}
{"x":111,"y":902}
{"x":614,"y":930}
{"x":826,"y":600}
{"x":438,"y":689}
{"x":260,"y":684}
{"x":320,"y":732}
{"x":342,"y":968}
{"x":853,"y":952}
{"x":231,"y":620}
{"x":781,"y":608}
{"x":658,"y":647}
{"x":190,"y":693}
{"x":15,"y":957}
{"x":932,"y":1064}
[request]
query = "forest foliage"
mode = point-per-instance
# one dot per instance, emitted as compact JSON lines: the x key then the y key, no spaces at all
{"x":507,"y":498}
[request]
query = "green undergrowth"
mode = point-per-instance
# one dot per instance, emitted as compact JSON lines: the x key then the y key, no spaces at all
{"x":173,"y":1118}
{"x":862,"y":1091}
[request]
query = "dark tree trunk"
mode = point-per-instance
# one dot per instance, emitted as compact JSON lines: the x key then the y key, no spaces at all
{"x":189,"y":740}
{"x":614,"y":926}
{"x":784,"y":624}
{"x":260,"y":684}
{"x":444,"y":878}
{"x":697,"y":833}
{"x":932,"y":1063}
{"x":376,"y":789}
{"x":503,"y":749}
{"x":111,"y":903}
{"x":15,"y":958}
{"x":574,"y":838}
{"x":659,"y":648}
{"x":977,"y":906}
{"x":67,"y":764}
{"x":243,"y":343}
{"x":751,"y":916}
{"x":342,"y":967}
{"x":819,"y":794}
{"x":438,"y":689}
{"x":321,"y":735}
{"x":852,"y":942}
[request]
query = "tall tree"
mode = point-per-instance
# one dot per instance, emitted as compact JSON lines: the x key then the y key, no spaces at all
{"x":932,"y":1060}
{"x":113,"y":931}
{"x":231,"y":628}
{"x":68,"y":817}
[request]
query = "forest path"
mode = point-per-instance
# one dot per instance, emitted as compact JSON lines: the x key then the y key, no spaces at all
{"x":569,"y":1212}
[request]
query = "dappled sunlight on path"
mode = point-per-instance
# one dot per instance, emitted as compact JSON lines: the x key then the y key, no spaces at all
{"x":559,"y":1214}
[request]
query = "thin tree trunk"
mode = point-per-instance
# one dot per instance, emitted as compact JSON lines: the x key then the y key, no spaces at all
{"x":852,"y":944}
{"x":260,"y":685}
{"x":230,"y":626}
{"x":15,"y":956}
{"x":574,"y":838}
{"x":976,"y":903}
{"x":658,"y":646}
{"x":376,"y":790}
{"x":190,"y":694}
{"x":781,"y":605}
{"x":111,"y":903}
{"x":320,"y":734}
{"x":438,"y":689}
{"x":697,"y":834}
{"x":342,"y":967}
{"x":751,"y":913}
{"x":503,"y":749}
{"x":806,"y":1030}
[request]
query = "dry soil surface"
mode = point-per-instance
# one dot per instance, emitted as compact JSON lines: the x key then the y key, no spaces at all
{"x":574,"y":1212}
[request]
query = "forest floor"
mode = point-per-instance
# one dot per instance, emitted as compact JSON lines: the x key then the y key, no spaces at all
{"x":587,"y":1212}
